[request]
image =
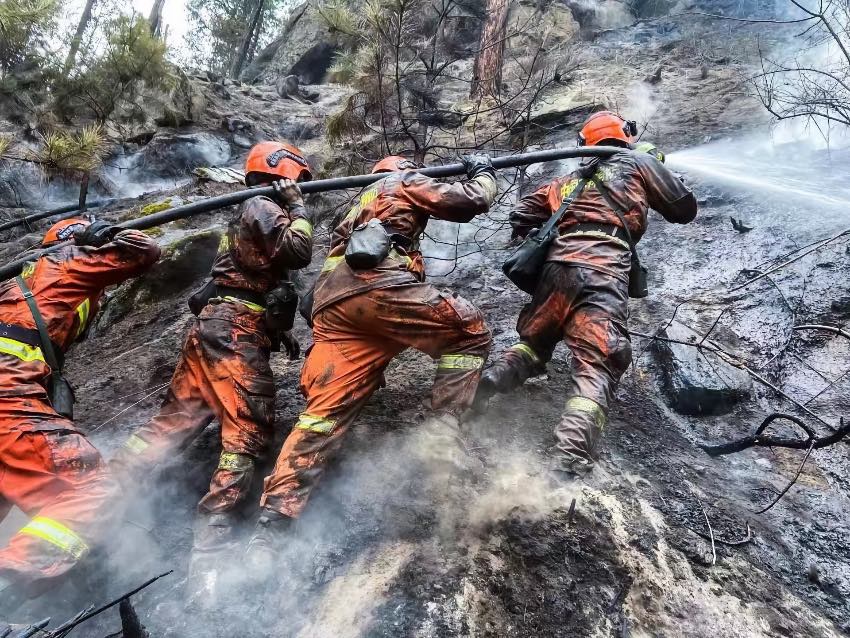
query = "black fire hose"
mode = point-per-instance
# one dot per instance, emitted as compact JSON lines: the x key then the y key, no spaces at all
{"x":320,"y":186}
{"x":62,"y":210}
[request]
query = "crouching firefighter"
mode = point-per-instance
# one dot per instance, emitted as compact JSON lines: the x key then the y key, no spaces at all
{"x":590,"y":270}
{"x":370,"y":304}
{"x":223,"y":371}
{"x":48,"y":468}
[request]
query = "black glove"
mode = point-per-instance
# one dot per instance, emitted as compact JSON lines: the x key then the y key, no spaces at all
{"x":96,"y":234}
{"x":287,"y":193}
{"x":478,"y":164}
{"x":291,"y":345}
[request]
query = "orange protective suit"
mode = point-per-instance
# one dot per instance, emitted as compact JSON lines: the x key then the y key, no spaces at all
{"x":223,"y":371}
{"x":47,"y":467}
{"x":582,"y":296}
{"x":364,"y":318}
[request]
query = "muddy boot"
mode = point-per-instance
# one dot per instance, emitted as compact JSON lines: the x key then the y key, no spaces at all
{"x":578,"y":434}
{"x":442,"y":446}
{"x":212,"y":550}
{"x":266,"y":544}
{"x":486,"y":391}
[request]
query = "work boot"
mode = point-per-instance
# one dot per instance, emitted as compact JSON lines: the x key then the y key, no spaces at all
{"x":487,"y":389}
{"x":212,"y":549}
{"x":266,"y":543}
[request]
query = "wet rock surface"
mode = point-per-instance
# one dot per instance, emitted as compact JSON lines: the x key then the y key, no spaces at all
{"x":696,"y":381}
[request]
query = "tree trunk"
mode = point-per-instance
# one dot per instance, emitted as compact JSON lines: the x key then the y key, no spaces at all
{"x":239,"y":62}
{"x":78,"y":37}
{"x":487,"y":72}
{"x":155,"y":18}
{"x":84,"y":192}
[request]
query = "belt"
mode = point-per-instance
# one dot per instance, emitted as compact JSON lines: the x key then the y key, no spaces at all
{"x":606,"y":229}
{"x":251,"y":296}
{"x":29,"y":337}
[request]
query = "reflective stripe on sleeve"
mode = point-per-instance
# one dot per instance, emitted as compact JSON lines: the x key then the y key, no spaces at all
{"x":23,"y":351}
{"x":136,"y":444}
{"x":331,"y":263}
{"x":302,"y":225}
{"x":83,"y":311}
{"x":527,"y":351}
{"x":56,"y":534}
{"x":460,"y":362}
{"x":583,"y":404}
{"x":315,"y":424}
{"x":235,"y":462}
{"x":251,"y":306}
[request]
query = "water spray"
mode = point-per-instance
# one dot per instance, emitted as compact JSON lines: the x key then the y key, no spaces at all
{"x":322,"y":186}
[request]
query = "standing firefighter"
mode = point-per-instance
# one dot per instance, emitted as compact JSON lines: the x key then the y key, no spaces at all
{"x":582,"y":294}
{"x":47,"y":467}
{"x":371,"y":304}
{"x":223,"y":371}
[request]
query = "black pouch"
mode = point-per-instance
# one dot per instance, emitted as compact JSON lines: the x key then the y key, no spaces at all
{"x":525,"y":264}
{"x":305,"y":305}
{"x":638,"y":287}
{"x":201,"y":297}
{"x":281,"y":306}
{"x":61,"y":395}
{"x":368,"y":245}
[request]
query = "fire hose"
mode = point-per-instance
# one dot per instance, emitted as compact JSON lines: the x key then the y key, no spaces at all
{"x":69,"y":209}
{"x":320,"y":186}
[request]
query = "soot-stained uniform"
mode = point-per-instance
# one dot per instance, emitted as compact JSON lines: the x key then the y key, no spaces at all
{"x":582,"y":296}
{"x":223,"y":371}
{"x":364,"y":318}
{"x":47,"y":467}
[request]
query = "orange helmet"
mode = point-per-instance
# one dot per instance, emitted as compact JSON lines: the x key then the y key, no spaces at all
{"x":65,"y":229}
{"x":268,"y":161}
{"x":604,"y":126}
{"x":393,"y":163}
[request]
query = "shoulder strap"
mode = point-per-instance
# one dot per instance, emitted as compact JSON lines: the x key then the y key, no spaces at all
{"x":555,"y":219}
{"x":618,"y":211}
{"x":46,"y":344}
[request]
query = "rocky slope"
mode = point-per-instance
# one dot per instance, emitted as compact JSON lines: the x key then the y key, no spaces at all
{"x":392,"y":544}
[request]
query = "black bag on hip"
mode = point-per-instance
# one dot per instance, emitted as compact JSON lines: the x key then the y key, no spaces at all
{"x":368,"y":245}
{"x":526,"y":263}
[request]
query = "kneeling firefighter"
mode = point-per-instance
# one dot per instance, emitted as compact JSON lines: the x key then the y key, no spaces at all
{"x":223,"y":371}
{"x":370,"y":304}
{"x":48,"y":468}
{"x":590,"y":270}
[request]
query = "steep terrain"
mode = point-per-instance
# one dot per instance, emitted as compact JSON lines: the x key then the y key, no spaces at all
{"x":395,"y":543}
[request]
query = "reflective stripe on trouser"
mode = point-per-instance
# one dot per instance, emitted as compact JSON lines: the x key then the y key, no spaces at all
{"x":59,"y":479}
{"x":514,"y":367}
{"x":57,"y":534}
{"x":223,"y":373}
{"x":354,"y":341}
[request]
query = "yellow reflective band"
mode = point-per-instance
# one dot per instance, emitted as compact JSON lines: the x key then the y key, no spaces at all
{"x":315,"y":424}
{"x":29,"y":269}
{"x":460,"y":362}
{"x":224,"y":243}
{"x":57,"y":534}
{"x":331,"y":263}
{"x":235,"y":462}
{"x":251,"y":306}
{"x":301,"y":225}
{"x":527,"y":351}
{"x":368,"y":197}
{"x":136,"y":444}
{"x":23,"y":351}
{"x":83,"y":313}
{"x":583,"y":404}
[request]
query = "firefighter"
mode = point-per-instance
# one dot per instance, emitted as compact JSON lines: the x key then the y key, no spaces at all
{"x":48,"y":468}
{"x":223,"y":371}
{"x":363,"y":317}
{"x":582,"y":294}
